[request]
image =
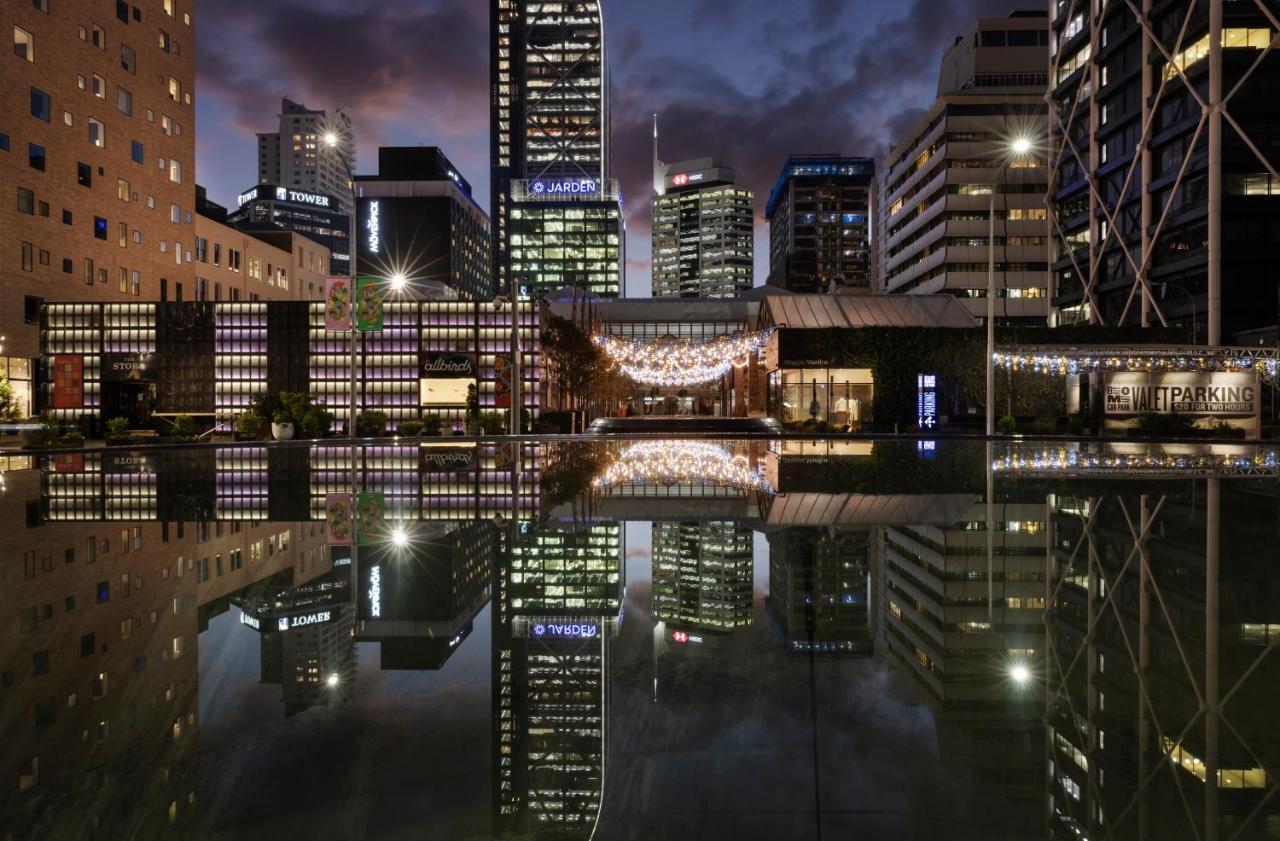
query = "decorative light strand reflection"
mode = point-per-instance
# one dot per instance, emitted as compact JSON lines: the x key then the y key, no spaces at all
{"x":681,"y":462}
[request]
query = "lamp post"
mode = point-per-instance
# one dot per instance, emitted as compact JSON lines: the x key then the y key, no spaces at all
{"x":1018,"y":147}
{"x":331,"y":140}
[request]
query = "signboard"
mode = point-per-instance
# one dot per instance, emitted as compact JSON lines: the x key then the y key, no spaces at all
{"x":370,"y":293}
{"x":374,"y":592}
{"x":449,"y":366}
{"x":502,"y":388}
{"x":568,"y":630}
{"x":318,"y":617}
{"x":68,"y":381}
{"x":130,"y":462}
{"x":337,"y":304}
{"x":1223,"y":396}
{"x":339,"y":521}
{"x":448,"y":459}
{"x":302,"y":197}
{"x":373,"y":227}
{"x":128,"y":367}
{"x":582,"y":186}
{"x":370,"y":518}
{"x":927,"y":401}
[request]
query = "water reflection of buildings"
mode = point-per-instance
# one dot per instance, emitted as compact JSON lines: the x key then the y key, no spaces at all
{"x":1161,"y":703}
{"x":963,"y":623}
{"x":419,"y":601}
{"x":557,"y":603}
{"x":702,"y":574}
{"x":819,"y":589}
{"x":98,"y":675}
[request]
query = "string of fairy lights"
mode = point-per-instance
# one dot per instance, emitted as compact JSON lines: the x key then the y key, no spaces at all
{"x":671,"y":362}
{"x":1069,"y":460}
{"x":681,"y":463}
{"x":1188,"y":361}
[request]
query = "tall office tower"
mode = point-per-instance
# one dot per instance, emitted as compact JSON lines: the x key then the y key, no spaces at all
{"x":819,"y":233}
{"x":296,"y":156}
{"x":937,"y":184}
{"x":557,"y":597}
{"x":702,"y":574}
{"x":557,"y":212}
{"x":1162,"y":203}
{"x":97,"y":144}
{"x":703,"y":230}
{"x":818,"y":584}
{"x":417,"y":217}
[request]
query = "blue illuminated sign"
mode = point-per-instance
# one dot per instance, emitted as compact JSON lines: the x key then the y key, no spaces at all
{"x":582,"y":186}
{"x":574,"y":630}
{"x":854,"y":218}
{"x":927,"y":401}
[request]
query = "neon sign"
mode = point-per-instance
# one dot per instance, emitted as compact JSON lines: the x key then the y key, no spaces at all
{"x":574,"y":630}
{"x":374,"y":226}
{"x":585,"y":186}
{"x":375,"y":592}
{"x":680,"y":180}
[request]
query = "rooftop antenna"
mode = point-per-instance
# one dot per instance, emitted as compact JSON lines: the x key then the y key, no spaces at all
{"x":659,"y":168}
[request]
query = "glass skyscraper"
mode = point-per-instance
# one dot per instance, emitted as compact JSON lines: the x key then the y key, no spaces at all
{"x":557,"y":214}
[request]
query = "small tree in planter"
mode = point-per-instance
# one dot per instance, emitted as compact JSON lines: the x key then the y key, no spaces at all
{"x":184,"y":429}
{"x":474,"y":423}
{"x":409,"y":428}
{"x":8,"y":400}
{"x":316,"y":422}
{"x":431,"y":425}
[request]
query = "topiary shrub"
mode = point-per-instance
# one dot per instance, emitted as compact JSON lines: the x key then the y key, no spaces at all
{"x":431,"y":425}
{"x":493,"y":423}
{"x":410,"y":428}
{"x":184,"y":429}
{"x":1006,"y":425}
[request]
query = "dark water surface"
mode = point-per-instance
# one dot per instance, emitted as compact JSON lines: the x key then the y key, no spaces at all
{"x":642,"y":640}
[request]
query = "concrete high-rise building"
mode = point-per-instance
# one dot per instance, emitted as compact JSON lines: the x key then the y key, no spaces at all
{"x":296,"y":155}
{"x":417,"y":217}
{"x":936,"y":185}
{"x":702,"y":574}
{"x":557,"y":213}
{"x":819,"y":225}
{"x":1163,"y":205}
{"x":703,"y":230}
{"x":818,"y":588}
{"x":97,"y":146}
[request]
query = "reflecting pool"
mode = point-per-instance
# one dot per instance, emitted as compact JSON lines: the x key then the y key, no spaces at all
{"x":649,"y":639}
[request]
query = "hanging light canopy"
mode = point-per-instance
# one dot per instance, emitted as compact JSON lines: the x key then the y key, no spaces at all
{"x":670,"y":362}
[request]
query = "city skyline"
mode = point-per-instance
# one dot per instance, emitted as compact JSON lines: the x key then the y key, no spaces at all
{"x":739,"y":95}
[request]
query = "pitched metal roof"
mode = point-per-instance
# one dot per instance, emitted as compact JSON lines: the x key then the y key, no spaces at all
{"x":816,"y":312}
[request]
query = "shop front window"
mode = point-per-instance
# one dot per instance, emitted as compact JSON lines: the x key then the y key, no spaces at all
{"x":839,"y":397}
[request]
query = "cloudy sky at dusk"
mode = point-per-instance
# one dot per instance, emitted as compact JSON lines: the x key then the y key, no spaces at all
{"x":745,"y":81}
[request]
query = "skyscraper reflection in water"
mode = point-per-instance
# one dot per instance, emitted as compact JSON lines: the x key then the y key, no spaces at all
{"x":557,"y":607}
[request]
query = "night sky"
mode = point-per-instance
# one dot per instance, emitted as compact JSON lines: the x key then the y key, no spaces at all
{"x":744,"y":81}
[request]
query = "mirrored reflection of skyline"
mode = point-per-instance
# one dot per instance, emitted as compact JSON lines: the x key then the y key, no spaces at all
{"x":176,"y":648}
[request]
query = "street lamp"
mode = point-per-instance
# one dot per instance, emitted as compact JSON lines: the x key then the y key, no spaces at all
{"x":331,"y":139}
{"x":1020,"y":674}
{"x":1018,"y":147}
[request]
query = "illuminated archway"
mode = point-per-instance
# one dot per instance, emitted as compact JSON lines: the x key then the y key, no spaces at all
{"x":671,"y":362}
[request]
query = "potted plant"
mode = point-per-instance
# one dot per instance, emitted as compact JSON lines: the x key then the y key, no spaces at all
{"x":281,"y":426}
{"x":431,"y":425}
{"x":316,"y":422}
{"x":473,"y":422}
{"x":410,"y":428}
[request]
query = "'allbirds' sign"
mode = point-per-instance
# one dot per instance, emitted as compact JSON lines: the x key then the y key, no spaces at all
{"x":449,"y":365}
